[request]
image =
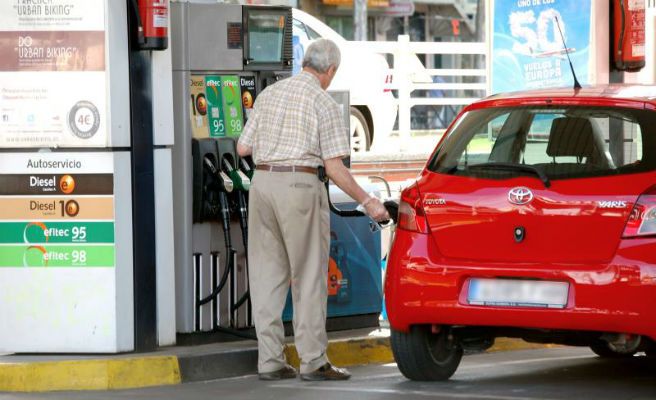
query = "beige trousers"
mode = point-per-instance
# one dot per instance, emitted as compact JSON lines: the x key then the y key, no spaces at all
{"x":288,"y":239}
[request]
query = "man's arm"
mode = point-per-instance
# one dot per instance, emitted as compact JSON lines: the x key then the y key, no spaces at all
{"x":247,"y":138}
{"x":344,"y":180}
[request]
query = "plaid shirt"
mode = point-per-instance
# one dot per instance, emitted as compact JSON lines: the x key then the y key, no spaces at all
{"x":295,"y":122}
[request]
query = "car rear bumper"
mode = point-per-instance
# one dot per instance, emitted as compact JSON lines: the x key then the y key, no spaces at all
{"x":421,"y":287}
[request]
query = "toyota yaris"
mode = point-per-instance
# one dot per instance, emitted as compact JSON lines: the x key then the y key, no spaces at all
{"x":534,"y":218}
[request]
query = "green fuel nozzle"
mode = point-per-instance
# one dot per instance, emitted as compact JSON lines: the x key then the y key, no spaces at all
{"x":246,"y":168}
{"x":241,"y":181}
{"x":224,"y":180}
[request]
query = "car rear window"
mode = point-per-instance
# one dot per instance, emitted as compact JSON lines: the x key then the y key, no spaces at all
{"x":559,"y":142}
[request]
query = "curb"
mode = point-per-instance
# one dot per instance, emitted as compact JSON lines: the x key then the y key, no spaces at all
{"x":110,"y":374}
{"x":140,"y":372}
{"x":349,"y":352}
{"x":510,"y":344}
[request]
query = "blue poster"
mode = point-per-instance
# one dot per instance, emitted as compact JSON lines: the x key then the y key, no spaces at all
{"x":527,"y":48}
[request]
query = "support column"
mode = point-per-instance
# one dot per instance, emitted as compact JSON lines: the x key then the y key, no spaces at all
{"x":143,"y":192}
{"x":360,"y":20}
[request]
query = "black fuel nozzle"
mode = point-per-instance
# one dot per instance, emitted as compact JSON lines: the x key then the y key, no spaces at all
{"x":392,"y":207}
{"x":240,"y":180}
{"x":223,"y":180}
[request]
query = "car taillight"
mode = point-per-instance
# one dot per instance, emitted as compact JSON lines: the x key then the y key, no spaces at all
{"x":642,"y":220}
{"x":411,"y":211}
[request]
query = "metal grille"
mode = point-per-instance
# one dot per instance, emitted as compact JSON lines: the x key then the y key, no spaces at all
{"x":288,"y":47}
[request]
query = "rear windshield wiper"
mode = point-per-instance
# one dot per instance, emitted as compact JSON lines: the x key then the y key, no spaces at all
{"x":516,"y":167}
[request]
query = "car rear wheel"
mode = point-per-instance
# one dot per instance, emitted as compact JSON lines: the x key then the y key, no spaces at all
{"x":604,"y":350}
{"x":360,"y":132}
{"x":425,"y":356}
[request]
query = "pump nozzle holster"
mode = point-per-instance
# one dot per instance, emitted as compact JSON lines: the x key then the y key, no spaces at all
{"x":321,"y":173}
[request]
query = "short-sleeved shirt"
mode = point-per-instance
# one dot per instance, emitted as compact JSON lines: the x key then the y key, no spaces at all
{"x":295,"y":122}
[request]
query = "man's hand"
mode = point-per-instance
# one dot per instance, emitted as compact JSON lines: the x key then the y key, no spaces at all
{"x":244,"y":151}
{"x":344,"y":180}
{"x":376,"y":209}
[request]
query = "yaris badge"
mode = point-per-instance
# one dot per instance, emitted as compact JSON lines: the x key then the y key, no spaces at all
{"x":520,"y":195}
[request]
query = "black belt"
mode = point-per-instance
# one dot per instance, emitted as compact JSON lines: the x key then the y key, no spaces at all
{"x":287,"y":168}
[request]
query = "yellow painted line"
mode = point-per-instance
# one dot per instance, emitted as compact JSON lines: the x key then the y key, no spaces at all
{"x":122,"y":373}
{"x":346,"y":353}
{"x":378,"y":351}
{"x":509,"y":344}
{"x":360,"y":351}
{"x":136,"y":372}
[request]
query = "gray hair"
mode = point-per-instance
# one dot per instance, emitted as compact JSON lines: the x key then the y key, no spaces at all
{"x":321,"y":54}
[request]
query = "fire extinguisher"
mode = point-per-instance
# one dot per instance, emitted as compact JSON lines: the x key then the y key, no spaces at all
{"x":153,"y":20}
{"x":629,"y":34}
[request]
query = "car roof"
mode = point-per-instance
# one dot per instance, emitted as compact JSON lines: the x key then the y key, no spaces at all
{"x":593,"y":95}
{"x":318,"y":26}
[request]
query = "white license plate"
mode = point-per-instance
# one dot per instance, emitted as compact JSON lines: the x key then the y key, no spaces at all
{"x":517,"y":293}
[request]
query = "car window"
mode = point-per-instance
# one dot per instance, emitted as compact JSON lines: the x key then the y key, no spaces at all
{"x":535,"y":151}
{"x":298,"y":30}
{"x":311,"y":33}
{"x":300,"y":41}
{"x":568,"y":142}
{"x":479,"y":147}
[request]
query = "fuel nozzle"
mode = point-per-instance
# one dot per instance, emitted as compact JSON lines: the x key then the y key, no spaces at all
{"x":246,"y":168}
{"x":241,"y":181}
{"x":224,"y":180}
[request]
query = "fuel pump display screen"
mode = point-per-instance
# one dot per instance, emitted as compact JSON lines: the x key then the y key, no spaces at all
{"x":266,"y":32}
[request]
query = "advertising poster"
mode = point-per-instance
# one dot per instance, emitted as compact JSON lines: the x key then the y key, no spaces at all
{"x":527,"y":48}
{"x":216,"y":118}
{"x":57,"y":210}
{"x":52,"y":73}
{"x":247,"y":84}
{"x":232,"y":103}
{"x":198,"y":108}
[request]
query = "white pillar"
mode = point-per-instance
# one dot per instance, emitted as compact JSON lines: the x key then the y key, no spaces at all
{"x":404,"y":79}
{"x":360,"y":20}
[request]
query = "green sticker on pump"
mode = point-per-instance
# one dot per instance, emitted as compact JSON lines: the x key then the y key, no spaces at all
{"x":40,"y":256}
{"x":232,"y":104}
{"x":45,"y":232}
{"x":215,"y":113}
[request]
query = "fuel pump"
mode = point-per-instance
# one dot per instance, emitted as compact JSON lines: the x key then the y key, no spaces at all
{"x":222,"y":56}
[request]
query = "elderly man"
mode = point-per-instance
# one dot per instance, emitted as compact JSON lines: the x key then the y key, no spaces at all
{"x":295,"y":128}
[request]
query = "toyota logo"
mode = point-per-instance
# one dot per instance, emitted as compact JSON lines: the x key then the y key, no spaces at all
{"x":520,"y":195}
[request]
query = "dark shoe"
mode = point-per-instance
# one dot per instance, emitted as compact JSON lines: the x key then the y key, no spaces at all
{"x":327,"y":372}
{"x":286,"y":372}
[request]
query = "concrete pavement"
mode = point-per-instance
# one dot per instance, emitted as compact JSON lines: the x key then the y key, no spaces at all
{"x":181,"y":364}
{"x":544,"y":374}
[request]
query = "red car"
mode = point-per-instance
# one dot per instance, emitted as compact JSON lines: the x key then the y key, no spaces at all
{"x":534,"y":218}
